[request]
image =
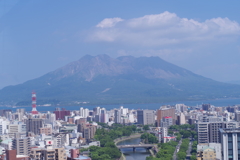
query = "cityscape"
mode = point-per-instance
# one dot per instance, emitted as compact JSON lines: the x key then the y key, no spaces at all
{"x":119,"y":80}
{"x":176,"y":132}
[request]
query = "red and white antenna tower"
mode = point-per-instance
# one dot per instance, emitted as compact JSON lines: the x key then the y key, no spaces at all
{"x":34,"y":101}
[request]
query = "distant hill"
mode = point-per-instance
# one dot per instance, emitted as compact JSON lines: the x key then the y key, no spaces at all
{"x":234,"y":82}
{"x":105,"y":80}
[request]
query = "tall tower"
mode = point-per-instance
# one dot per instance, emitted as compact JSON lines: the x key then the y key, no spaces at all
{"x":34,"y":100}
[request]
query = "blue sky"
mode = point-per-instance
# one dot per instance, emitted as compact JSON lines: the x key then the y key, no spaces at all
{"x":39,"y":36}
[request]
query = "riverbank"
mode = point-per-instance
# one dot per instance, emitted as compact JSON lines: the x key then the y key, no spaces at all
{"x":129,"y":154}
{"x":116,"y":141}
{"x":135,"y":135}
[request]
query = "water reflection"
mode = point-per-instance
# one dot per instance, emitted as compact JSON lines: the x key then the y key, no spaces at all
{"x":139,"y":154}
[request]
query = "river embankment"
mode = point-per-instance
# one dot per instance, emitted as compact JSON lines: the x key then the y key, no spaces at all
{"x":127,"y":153}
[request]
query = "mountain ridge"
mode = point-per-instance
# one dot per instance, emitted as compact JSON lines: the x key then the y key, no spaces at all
{"x":104,"y":80}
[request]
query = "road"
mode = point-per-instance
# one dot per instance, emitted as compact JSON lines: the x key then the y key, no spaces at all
{"x":189,"y":150}
{"x":176,"y":150}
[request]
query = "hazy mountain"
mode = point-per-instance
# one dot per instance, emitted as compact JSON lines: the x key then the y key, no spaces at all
{"x":105,"y":80}
{"x":234,"y":82}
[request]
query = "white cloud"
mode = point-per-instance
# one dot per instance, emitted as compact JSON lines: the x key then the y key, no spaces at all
{"x":164,"y":29}
{"x":109,"y":22}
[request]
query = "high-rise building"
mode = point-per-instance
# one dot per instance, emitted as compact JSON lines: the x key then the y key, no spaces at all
{"x":3,"y":126}
{"x":206,"y":107}
{"x":50,"y":118}
{"x":84,"y":112}
{"x":202,"y":130}
{"x":165,"y":112}
{"x":181,"y":119}
{"x":88,"y":132}
{"x":145,"y":117}
{"x":117,"y":116}
{"x":103,"y":116}
{"x":34,"y":124}
{"x":230,"y":140}
{"x":214,"y":136}
{"x":60,"y":115}
{"x":208,"y":132}
{"x":96,"y":110}
{"x":232,"y":109}
{"x":124,"y":111}
{"x":21,"y":145}
{"x":237,"y":116}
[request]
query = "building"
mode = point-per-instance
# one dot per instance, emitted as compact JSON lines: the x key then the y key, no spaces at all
{"x":96,"y":110}
{"x":60,"y":114}
{"x":3,"y":126}
{"x":214,"y":136}
{"x":12,"y":130}
{"x":206,"y":107}
{"x":237,"y":116}
{"x":21,"y":145}
{"x":145,"y":117}
{"x":104,"y":116}
{"x":34,"y":124}
{"x":166,"y":122}
{"x":202,"y":130}
{"x":89,"y":132}
{"x":117,"y":116}
{"x":181,"y":119}
{"x":231,"y":109}
{"x":50,"y":118}
{"x":45,"y":130}
{"x":84,"y":112}
{"x":208,"y":151}
{"x":12,"y":155}
{"x":48,"y":154}
{"x":230,"y":140}
{"x":208,"y":132}
{"x":165,"y":112}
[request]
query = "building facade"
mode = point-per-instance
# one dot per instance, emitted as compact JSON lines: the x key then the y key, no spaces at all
{"x":34,"y":124}
{"x":165,"y":112}
{"x":230,"y":140}
{"x":21,"y":145}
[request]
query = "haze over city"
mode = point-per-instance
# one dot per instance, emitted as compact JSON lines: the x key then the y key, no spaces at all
{"x":119,"y":80}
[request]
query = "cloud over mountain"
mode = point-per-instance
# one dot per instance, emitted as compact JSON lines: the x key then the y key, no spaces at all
{"x":164,"y":29}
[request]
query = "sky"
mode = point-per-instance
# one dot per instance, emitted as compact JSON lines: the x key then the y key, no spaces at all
{"x":39,"y":36}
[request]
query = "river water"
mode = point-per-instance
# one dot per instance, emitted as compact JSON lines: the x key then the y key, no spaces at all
{"x":139,"y":154}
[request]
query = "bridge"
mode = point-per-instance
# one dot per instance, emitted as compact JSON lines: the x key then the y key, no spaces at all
{"x":134,"y":146}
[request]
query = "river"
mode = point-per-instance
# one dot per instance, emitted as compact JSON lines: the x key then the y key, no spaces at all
{"x":139,"y":154}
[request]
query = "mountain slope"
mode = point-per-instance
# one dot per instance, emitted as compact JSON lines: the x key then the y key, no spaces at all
{"x":105,"y":80}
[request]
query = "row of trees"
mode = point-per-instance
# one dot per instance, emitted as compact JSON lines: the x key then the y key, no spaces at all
{"x":194,"y":150}
{"x":181,"y":155}
{"x":182,"y":127}
{"x":166,"y":151}
{"x":188,"y":134}
{"x":106,"y":136}
{"x":149,"y":138}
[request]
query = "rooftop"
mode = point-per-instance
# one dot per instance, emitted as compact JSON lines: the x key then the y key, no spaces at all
{"x":229,"y":130}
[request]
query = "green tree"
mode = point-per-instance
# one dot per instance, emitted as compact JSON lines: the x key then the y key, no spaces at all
{"x":181,"y":155}
{"x":193,"y":157}
{"x":146,"y":127}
